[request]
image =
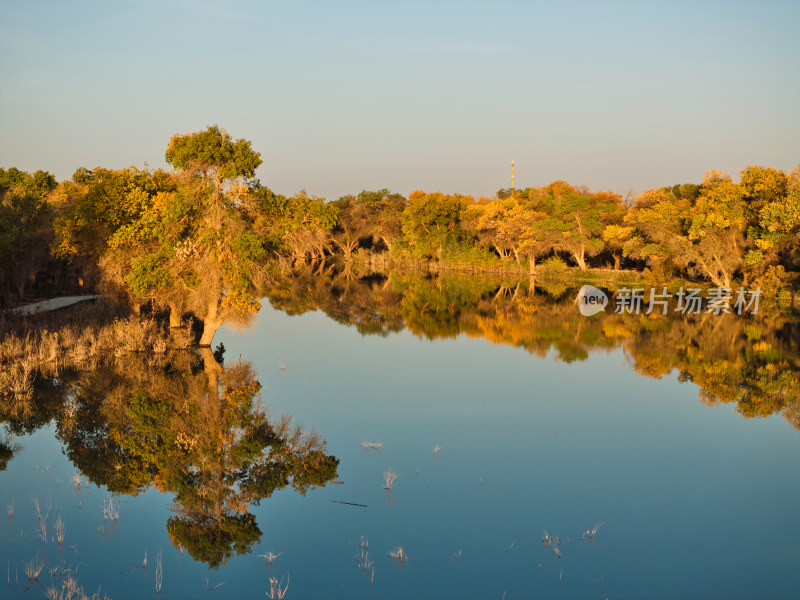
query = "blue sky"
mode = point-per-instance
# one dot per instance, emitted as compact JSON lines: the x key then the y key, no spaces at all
{"x":343,"y":96}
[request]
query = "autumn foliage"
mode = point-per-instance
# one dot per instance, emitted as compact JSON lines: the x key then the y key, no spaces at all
{"x":200,"y":240}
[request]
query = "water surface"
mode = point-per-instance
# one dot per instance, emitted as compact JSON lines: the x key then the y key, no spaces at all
{"x":545,"y":422}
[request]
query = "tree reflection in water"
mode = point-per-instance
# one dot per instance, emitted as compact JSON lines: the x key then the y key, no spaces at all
{"x":192,"y":425}
{"x":752,"y":361}
{"x":187,"y":425}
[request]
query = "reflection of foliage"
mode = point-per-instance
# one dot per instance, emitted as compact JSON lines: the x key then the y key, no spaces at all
{"x":752,"y":361}
{"x":182,"y":423}
{"x":6,"y":453}
{"x":202,"y":435}
{"x":213,"y":541}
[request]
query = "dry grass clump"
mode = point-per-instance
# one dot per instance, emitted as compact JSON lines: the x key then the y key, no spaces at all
{"x":33,"y":568}
{"x":60,"y":529}
{"x":181,"y":338}
{"x":70,"y":589}
{"x":277,"y":590}
{"x":398,"y":554}
{"x":270,"y":557}
{"x":110,"y":510}
{"x":16,"y":386}
{"x":84,"y":331}
{"x":135,"y":335}
{"x":388,"y":478}
{"x":82,"y":336}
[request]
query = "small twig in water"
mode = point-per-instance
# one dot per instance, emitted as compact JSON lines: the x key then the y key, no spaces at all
{"x":212,"y":589}
{"x":398,"y":554}
{"x":43,"y":530}
{"x":269,"y":557}
{"x":389,"y":477}
{"x":38,"y":511}
{"x":364,"y":563}
{"x":590,"y":533}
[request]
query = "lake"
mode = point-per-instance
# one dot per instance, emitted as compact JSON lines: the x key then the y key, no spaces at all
{"x":537,"y":453}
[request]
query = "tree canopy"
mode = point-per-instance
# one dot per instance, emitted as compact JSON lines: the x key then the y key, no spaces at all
{"x":204,"y":238}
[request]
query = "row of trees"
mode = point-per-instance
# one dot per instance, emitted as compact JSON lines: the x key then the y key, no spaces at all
{"x":200,"y":238}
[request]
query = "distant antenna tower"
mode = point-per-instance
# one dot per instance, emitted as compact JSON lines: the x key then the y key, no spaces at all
{"x":512,"y":173}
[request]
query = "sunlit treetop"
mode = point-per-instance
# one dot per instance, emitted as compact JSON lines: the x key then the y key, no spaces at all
{"x":213,"y":150}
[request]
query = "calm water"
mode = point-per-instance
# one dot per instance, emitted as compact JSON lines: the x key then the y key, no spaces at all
{"x":553,"y":429}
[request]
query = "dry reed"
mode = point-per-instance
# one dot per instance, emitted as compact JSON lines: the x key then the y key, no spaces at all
{"x":33,"y":568}
{"x":277,"y":591}
{"x":388,"y":478}
{"x":159,"y":573}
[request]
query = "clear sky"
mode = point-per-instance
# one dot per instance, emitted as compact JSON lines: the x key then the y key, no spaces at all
{"x":340,"y":96}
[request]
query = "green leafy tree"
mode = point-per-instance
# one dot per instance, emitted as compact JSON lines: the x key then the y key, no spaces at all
{"x":432,"y":223}
{"x":658,"y":220}
{"x":575,"y":221}
{"x":370,"y":218}
{"x":90,"y":210}
{"x":353,"y":225}
{"x":696,"y":228}
{"x":195,"y":248}
{"x":773,"y":218}
{"x":306,"y":226}
{"x":716,"y":231}
{"x":26,"y":228}
{"x":384,"y":215}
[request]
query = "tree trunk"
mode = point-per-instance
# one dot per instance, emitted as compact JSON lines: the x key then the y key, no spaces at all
{"x":211,"y":323}
{"x":213,"y":370}
{"x":616,"y":262}
{"x":579,"y":258}
{"x":532,"y":262}
{"x":174,"y":316}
